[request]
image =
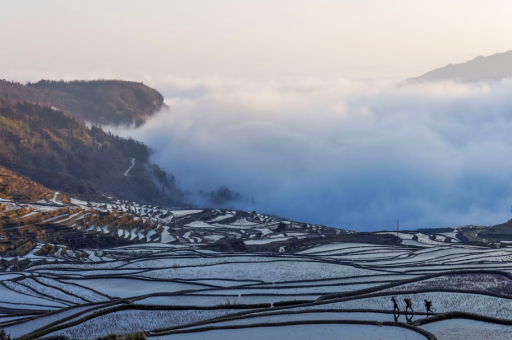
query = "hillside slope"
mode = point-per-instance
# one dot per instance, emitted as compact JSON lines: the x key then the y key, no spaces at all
{"x":495,"y":67}
{"x":15,"y":187}
{"x":62,"y":153}
{"x":98,"y":101}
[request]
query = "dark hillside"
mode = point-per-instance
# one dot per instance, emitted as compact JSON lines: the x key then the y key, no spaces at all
{"x":499,"y":232}
{"x":60,"y":152}
{"x":98,"y":101}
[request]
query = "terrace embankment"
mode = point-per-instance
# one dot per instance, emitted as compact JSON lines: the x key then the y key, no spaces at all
{"x":13,"y":186}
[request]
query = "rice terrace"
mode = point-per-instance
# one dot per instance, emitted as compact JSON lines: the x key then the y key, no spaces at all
{"x":255,"y":170}
{"x":191,"y":274}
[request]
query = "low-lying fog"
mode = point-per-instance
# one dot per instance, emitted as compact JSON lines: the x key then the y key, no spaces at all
{"x":354,"y":155}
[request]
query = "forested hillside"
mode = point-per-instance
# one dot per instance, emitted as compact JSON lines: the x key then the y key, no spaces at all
{"x":98,"y":101}
{"x":62,"y":153}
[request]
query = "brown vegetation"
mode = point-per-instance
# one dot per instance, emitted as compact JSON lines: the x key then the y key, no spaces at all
{"x":19,"y":188}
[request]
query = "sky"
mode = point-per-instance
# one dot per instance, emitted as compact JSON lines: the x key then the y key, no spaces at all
{"x":299,"y":104}
{"x":246,"y":39}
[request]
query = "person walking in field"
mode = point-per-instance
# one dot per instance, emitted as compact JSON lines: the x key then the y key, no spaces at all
{"x":428,"y":306}
{"x":395,"y":302}
{"x":408,"y":302}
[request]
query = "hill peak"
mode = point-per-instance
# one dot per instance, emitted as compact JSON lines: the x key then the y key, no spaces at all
{"x":491,"y":68}
{"x":98,"y":101}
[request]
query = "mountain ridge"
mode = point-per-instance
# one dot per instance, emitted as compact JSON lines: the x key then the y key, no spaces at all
{"x":491,"y":68}
{"x":107,"y":102}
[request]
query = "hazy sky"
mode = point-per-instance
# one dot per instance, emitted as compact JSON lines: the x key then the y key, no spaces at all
{"x":255,"y":39}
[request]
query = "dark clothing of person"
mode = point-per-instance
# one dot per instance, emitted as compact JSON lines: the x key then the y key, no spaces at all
{"x":409,"y":304}
{"x":428,"y":306}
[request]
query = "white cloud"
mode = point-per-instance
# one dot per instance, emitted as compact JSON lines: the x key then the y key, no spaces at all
{"x":341,"y":153}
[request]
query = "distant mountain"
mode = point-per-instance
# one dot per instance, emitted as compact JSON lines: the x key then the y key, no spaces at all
{"x":97,"y":101}
{"x":495,"y":67}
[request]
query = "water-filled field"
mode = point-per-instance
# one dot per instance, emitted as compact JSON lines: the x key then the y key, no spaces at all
{"x":300,"y":281}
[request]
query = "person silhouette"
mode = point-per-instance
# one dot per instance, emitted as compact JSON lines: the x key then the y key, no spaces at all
{"x":408,"y":302}
{"x":395,"y":303}
{"x":428,"y":306}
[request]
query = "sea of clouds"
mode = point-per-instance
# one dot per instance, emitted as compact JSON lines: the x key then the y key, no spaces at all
{"x":353,"y":155}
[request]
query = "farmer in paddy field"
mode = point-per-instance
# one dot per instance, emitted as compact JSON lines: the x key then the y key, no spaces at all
{"x":408,"y":302}
{"x":395,"y":303}
{"x":428,"y":306}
